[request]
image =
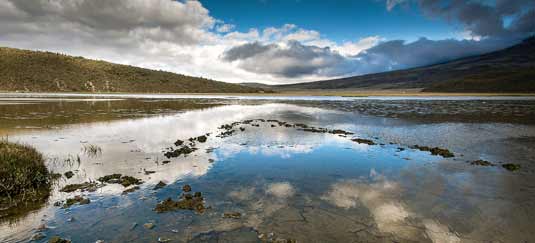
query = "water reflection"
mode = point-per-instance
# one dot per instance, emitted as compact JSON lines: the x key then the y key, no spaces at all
{"x":297,"y":185}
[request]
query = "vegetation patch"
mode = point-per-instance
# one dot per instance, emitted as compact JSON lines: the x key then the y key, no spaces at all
{"x":126,"y":181}
{"x":481,"y":163}
{"x":86,"y":186}
{"x":185,"y":202}
{"x":511,"y":167}
{"x":435,"y":151}
{"x":24,"y":177}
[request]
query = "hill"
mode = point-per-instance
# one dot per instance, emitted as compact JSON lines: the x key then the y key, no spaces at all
{"x":34,"y":71}
{"x":508,"y":70}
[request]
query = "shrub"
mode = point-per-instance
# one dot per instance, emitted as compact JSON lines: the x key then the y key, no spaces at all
{"x":23,"y":174}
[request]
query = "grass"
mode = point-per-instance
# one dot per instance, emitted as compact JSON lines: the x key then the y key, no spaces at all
{"x":91,"y":150}
{"x":24,"y":177}
{"x":35,"y":71}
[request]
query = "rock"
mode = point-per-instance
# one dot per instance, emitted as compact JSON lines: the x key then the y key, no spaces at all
{"x":202,"y":139}
{"x":435,"y":151}
{"x":179,"y":142}
{"x":166,"y":162}
{"x":161,"y":239}
{"x":68,"y":174}
{"x":160,"y":185}
{"x":76,"y":199}
{"x":232,"y":215}
{"x":148,"y":172}
{"x":187,"y":202}
{"x":481,"y":162}
{"x":364,"y":141}
{"x":99,"y":241}
{"x":126,"y":181}
{"x":86,"y":186}
{"x":38,"y":236}
{"x":211,"y":160}
{"x":185,"y":150}
{"x":132,"y":189}
{"x":57,"y":239}
{"x":42,"y":227}
{"x":149,"y":226}
{"x":186,"y":188}
{"x":511,"y":167}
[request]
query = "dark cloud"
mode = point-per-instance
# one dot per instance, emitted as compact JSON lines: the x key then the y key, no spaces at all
{"x":481,"y":18}
{"x":394,"y":55}
{"x":296,"y":60}
{"x":291,"y":60}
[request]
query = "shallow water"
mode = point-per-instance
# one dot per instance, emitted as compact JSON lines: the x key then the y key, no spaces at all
{"x":285,"y":182}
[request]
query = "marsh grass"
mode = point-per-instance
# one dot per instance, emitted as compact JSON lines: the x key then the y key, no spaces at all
{"x":92,"y":150}
{"x":24,"y":177}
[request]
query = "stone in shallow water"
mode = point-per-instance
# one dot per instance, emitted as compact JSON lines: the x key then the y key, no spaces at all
{"x":57,"y":239}
{"x":481,"y":162}
{"x":511,"y":167}
{"x":69,"y":174}
{"x":149,"y":225}
{"x":232,"y":215}
{"x":160,"y":185}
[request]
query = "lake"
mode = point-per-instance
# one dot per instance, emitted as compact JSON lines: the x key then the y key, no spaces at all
{"x":278,"y":169}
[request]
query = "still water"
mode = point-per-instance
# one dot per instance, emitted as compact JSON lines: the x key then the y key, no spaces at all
{"x":286,"y":183}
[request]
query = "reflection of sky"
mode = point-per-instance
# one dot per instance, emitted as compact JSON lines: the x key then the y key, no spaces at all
{"x":268,"y":168}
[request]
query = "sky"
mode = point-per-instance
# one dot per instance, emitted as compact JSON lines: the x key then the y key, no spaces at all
{"x":267,"y":41}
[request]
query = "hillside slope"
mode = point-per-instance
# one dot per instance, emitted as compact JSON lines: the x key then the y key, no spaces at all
{"x":507,"y":70}
{"x":23,"y":70}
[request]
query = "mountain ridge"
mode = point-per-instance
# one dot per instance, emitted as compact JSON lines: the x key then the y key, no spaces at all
{"x":39,"y":71}
{"x":508,"y":70}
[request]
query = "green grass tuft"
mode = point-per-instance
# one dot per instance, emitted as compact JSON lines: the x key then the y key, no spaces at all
{"x":23,"y":174}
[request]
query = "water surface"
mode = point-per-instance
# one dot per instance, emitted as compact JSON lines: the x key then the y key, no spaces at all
{"x":285,"y":182}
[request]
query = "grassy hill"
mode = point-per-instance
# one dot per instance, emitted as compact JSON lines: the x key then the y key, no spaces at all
{"x":508,"y":70}
{"x":23,"y":70}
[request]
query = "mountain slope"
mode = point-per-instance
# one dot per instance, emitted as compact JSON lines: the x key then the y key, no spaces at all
{"x":507,"y":70}
{"x":23,"y":70}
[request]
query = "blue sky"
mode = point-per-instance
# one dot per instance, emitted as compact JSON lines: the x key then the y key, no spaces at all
{"x":339,"y":20}
{"x":273,"y":41}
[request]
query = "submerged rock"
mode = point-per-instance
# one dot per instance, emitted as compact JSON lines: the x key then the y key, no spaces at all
{"x":149,"y":225}
{"x":68,"y":174}
{"x":435,"y":151}
{"x":132,"y":189}
{"x":160,"y":185}
{"x":186,"y":188}
{"x":511,"y":167}
{"x":202,"y":139}
{"x":76,"y":199}
{"x":38,"y":236}
{"x":364,"y":141}
{"x":86,"y":186}
{"x":185,"y":150}
{"x":57,"y":239}
{"x":162,"y":240}
{"x":126,"y":181}
{"x":232,"y":215}
{"x":481,"y":162}
{"x":186,"y":202}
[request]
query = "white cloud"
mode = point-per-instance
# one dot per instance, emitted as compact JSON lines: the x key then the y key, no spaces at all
{"x":182,"y":37}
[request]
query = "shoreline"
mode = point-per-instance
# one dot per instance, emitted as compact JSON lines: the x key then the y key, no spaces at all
{"x":348,"y":94}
